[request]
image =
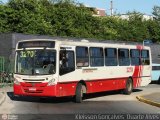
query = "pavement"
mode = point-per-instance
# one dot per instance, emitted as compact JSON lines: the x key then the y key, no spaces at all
{"x":2,"y":97}
{"x":3,"y":94}
{"x":152,"y":99}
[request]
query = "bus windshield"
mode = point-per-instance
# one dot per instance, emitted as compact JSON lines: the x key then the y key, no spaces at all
{"x":36,"y":62}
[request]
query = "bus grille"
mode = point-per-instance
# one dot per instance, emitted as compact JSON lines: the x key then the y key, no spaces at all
{"x":34,"y":79}
{"x":34,"y":84}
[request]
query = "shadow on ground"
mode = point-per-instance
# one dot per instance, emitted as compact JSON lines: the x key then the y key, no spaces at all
{"x":62,"y":99}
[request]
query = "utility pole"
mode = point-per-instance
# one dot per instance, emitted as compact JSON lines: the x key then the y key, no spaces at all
{"x":111,"y":7}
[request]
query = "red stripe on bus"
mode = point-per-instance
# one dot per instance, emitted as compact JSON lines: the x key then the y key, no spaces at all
{"x":69,"y":88}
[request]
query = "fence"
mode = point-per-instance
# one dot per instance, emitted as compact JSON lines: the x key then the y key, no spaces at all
{"x":6,"y":74}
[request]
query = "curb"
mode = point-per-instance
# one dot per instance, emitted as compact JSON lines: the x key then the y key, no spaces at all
{"x":3,"y":98}
{"x":142,"y":99}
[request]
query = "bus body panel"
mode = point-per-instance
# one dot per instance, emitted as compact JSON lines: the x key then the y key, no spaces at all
{"x":155,"y":72}
{"x":146,"y":75}
{"x":69,"y":88}
{"x":34,"y":91}
{"x":155,"y":75}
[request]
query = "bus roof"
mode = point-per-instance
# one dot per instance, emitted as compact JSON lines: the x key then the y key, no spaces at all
{"x":85,"y":42}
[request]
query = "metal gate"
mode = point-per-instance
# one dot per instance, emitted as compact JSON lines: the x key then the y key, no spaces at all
{"x":2,"y":63}
{"x":6,"y":72}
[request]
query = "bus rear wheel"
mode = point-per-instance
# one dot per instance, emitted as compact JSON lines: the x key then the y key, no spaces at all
{"x":79,"y":93}
{"x":129,"y":87}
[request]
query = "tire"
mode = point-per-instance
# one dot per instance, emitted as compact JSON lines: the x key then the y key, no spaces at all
{"x":16,"y":97}
{"x":79,"y":93}
{"x":129,"y":87}
{"x":158,"y":82}
{"x":42,"y":99}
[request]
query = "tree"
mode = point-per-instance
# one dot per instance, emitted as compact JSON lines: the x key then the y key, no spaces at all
{"x":30,"y":16}
{"x":70,"y":19}
{"x":156,"y":12}
{"x":4,"y":26}
{"x":153,"y":29}
{"x":137,"y":27}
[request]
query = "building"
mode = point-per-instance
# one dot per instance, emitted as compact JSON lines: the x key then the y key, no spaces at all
{"x":99,"y":12}
{"x":145,"y":17}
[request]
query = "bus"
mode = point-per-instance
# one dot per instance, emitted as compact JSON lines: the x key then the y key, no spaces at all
{"x":58,"y":68}
{"x":155,"y":74}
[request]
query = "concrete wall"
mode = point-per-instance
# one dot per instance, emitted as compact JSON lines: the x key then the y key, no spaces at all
{"x":5,"y":45}
{"x":155,"y":50}
{"x":8,"y":42}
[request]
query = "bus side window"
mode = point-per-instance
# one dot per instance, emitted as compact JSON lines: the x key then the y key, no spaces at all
{"x":145,"y":57}
{"x":67,"y":62}
{"x":96,"y":56}
{"x":82,"y":57}
{"x":123,"y":57}
{"x":135,"y":57}
{"x":111,"y":57}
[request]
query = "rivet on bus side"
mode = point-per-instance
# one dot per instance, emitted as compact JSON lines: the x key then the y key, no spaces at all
{"x":60,"y":87}
{"x":72,"y":86}
{"x":90,"y":84}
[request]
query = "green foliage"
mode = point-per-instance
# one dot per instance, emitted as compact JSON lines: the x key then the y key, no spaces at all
{"x":153,"y":30}
{"x":68,"y":18}
{"x":156,"y":12}
{"x":4,"y":26}
{"x":137,"y":26}
{"x":30,"y":16}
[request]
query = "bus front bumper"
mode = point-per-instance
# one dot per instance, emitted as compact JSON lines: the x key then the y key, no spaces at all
{"x":26,"y":89}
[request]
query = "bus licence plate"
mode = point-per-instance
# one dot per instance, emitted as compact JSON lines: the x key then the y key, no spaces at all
{"x":32,"y":89}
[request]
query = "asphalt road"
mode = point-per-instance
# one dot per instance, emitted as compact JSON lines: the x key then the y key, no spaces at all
{"x":99,"y":103}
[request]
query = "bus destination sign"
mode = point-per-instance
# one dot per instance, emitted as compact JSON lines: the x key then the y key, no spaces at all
{"x":31,"y":44}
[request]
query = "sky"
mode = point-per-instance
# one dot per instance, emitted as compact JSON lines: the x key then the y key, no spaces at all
{"x":124,"y":6}
{"x":121,"y":6}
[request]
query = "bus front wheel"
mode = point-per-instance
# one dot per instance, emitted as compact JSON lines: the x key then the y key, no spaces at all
{"x":129,"y":87}
{"x":79,"y":93}
{"x":158,"y":82}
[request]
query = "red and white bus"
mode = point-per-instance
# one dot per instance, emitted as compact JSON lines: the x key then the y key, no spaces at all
{"x":45,"y":67}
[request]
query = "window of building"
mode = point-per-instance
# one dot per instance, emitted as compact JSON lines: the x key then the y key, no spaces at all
{"x":111,"y":57}
{"x":123,"y":57}
{"x":135,"y":57}
{"x":98,"y":12}
{"x":96,"y":56}
{"x":82,"y":57}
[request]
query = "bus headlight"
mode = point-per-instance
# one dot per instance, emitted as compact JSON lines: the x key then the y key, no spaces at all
{"x":51,"y":82}
{"x":16,"y":82}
